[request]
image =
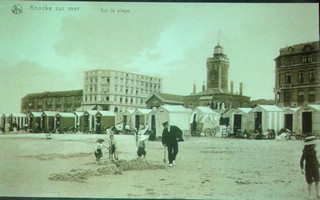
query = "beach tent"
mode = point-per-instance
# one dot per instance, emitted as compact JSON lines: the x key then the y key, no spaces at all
{"x":290,"y":117}
{"x":65,"y":121}
{"x":19,"y":118}
{"x":48,"y":121}
{"x":104,"y":120}
{"x":5,"y":124}
{"x":152,"y":120}
{"x":128,"y":119}
{"x":263,"y":117}
{"x":79,"y":121}
{"x":141,"y":117}
{"x":203,"y":117}
{"x":176,"y":115}
{"x":309,"y":119}
{"x":239,"y":120}
{"x":90,"y":120}
{"x":35,"y":121}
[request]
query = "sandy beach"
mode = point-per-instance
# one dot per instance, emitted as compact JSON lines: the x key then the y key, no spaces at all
{"x":207,"y":168}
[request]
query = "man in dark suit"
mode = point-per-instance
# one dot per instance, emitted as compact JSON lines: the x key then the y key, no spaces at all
{"x":170,"y":137}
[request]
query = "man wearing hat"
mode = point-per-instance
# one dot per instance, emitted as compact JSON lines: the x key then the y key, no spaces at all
{"x":311,"y":170}
{"x":98,"y":149}
{"x":170,"y":138}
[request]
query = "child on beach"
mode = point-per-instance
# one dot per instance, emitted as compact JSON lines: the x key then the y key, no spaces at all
{"x":311,"y":170}
{"x":142,"y":146}
{"x":98,"y":150}
{"x":113,"y":148}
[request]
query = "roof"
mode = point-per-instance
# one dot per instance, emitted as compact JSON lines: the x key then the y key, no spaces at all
{"x":174,"y":108}
{"x":50,"y":113}
{"x":143,"y":111}
{"x":91,"y":112}
{"x":128,"y":112}
{"x":167,"y":98}
{"x":312,"y":106}
{"x":245,"y":110}
{"x":54,"y":94}
{"x":106,"y":113}
{"x":86,"y":107}
{"x":18,"y":115}
{"x":291,"y":109}
{"x":269,"y":108}
{"x":36,"y":114}
{"x":204,"y":109}
{"x":63,"y":114}
{"x":298,"y":48}
{"x":79,"y":114}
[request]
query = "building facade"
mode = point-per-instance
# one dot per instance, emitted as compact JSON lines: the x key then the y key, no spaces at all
{"x":62,"y":101}
{"x":215,"y":93}
{"x":117,"y":90}
{"x":297,"y":71}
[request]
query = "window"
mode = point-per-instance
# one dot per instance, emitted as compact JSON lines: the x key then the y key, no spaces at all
{"x":312,"y":96}
{"x":312,"y":75}
{"x":309,"y":59}
{"x":304,"y":59}
{"x":107,"y":98}
{"x":120,"y":99}
{"x":288,"y":78}
{"x":300,"y":98}
{"x":300,"y":77}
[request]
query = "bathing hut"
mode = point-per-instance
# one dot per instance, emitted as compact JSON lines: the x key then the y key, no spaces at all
{"x":309,"y":119}
{"x":202,"y":118}
{"x":104,"y":120}
{"x":66,"y":122}
{"x":48,"y":121}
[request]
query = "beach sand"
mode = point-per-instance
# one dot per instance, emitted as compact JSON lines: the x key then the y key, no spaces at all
{"x":207,"y":168}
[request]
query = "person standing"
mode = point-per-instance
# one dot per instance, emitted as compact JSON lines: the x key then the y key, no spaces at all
{"x":170,"y":138}
{"x":311,"y":170}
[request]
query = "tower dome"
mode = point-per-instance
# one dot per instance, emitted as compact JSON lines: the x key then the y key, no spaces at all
{"x":218,"y":49}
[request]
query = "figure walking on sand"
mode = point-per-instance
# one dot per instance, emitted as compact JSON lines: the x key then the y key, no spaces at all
{"x":98,"y":150}
{"x":170,"y":137}
{"x":311,"y":170}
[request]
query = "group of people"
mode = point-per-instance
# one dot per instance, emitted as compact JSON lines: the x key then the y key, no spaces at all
{"x":171,"y":135}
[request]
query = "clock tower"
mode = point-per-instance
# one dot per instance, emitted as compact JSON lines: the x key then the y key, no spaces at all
{"x":217,"y":71}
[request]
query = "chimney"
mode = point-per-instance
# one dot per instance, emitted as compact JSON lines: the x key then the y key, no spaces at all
{"x":203,"y":87}
{"x":240,"y":88}
{"x":194,"y":87}
{"x":231,"y":87}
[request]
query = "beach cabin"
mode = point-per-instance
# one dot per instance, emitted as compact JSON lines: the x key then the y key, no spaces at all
{"x":90,"y":120}
{"x":79,"y":121}
{"x":104,"y":120}
{"x":152,"y":120}
{"x":5,"y":124}
{"x":263,"y":117}
{"x":141,"y":117}
{"x":309,"y":119}
{"x":175,"y":115}
{"x":290,"y":117}
{"x":35,"y":121}
{"x":20,"y":119}
{"x":202,"y":118}
{"x":239,"y":120}
{"x":65,"y":121}
{"x":128,"y":119}
{"x":48,"y":121}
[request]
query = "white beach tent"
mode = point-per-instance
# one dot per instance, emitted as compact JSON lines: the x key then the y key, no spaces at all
{"x":49,"y":120}
{"x":20,"y":118}
{"x":205,"y":117}
{"x":309,"y":119}
{"x":66,"y":120}
{"x":263,"y":117}
{"x":239,"y":120}
{"x":290,"y":117}
{"x":176,"y":115}
{"x":90,"y":120}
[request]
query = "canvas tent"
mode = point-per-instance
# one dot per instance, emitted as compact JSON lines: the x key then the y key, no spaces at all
{"x":175,"y":115}
{"x":203,"y":117}
{"x":263,"y":117}
{"x":65,"y":121}
{"x":104,"y":120}
{"x":48,"y":121}
{"x":35,"y":121}
{"x":141,"y":117}
{"x":290,"y":117}
{"x":128,"y":119}
{"x":239,"y":120}
{"x":309,"y":119}
{"x":90,"y":120}
{"x":20,"y":119}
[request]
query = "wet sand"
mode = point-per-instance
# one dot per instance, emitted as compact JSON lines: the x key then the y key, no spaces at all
{"x":207,"y":168}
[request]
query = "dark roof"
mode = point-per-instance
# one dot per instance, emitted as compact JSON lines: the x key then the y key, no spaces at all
{"x":168,"y":98}
{"x":299,"y":48}
{"x":54,"y":94}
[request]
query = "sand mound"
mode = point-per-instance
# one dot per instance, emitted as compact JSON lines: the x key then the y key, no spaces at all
{"x":80,"y":175}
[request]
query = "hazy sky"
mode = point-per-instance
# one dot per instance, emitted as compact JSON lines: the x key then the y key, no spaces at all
{"x":48,"y":50}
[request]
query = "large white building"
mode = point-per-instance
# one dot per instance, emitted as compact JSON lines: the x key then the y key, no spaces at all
{"x":117,"y":90}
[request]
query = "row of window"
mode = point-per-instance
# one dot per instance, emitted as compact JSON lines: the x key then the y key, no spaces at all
{"x":300,"y":97}
{"x":120,"y":99}
{"x":123,"y":80}
{"x":311,"y":77}
{"x":287,"y":61}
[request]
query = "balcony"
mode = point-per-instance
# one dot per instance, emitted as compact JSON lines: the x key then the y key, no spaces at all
{"x":285,"y":86}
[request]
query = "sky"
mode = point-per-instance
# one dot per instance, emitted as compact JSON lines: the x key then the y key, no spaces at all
{"x":49,"y":45}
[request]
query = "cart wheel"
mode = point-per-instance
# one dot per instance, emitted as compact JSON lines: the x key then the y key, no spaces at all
{"x":186,"y":134}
